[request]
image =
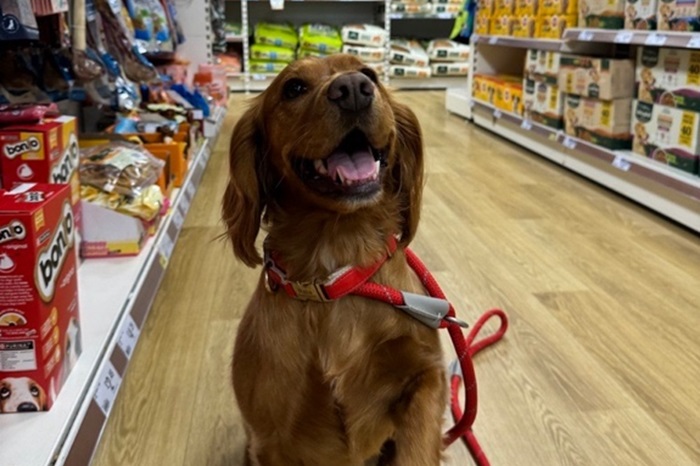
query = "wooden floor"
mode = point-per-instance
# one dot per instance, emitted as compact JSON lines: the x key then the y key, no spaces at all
{"x":601,"y":365}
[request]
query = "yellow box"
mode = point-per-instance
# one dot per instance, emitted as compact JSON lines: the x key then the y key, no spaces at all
{"x":558,"y":7}
{"x":526,"y":7}
{"x":509,"y":97}
{"x":482,"y":24}
{"x":502,"y":25}
{"x":484,"y":88}
{"x":486,"y":7}
{"x":552,"y":27}
{"x":503,"y":7}
{"x":523,"y":26}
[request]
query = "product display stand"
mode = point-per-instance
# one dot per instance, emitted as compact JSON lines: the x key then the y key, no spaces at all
{"x":115,"y":295}
{"x":672,"y":193}
{"x":328,"y":11}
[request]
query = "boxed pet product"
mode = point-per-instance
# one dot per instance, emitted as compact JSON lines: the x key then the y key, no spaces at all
{"x":364,"y":34}
{"x":279,"y":35}
{"x":320,"y":37}
{"x":403,"y":71}
{"x":447,"y":8}
{"x":271,"y":53}
{"x":603,"y":14}
{"x":509,"y":95}
{"x":447,"y":50}
{"x":542,"y":102}
{"x":411,"y":7}
{"x":558,"y":7}
{"x":601,"y":78}
{"x":502,"y":25}
{"x":668,"y":135}
{"x":678,"y":15}
{"x":39,"y":321}
{"x":486,"y":7}
{"x":484,"y":88}
{"x":366,"y":54}
{"x":640,"y":14}
{"x":503,"y":7}
{"x":552,"y":27}
{"x":526,"y":7}
{"x":523,"y":26}
{"x":482,"y":24}
{"x":542,"y":63}
{"x":602,"y":122}
{"x":450,"y":69}
{"x":408,"y":52}
{"x":266,"y":67}
{"x":669,"y":77}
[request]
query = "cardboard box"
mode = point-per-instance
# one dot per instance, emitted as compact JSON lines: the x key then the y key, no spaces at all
{"x":552,"y":27}
{"x":602,"y":122}
{"x":601,"y":78}
{"x":526,"y":7}
{"x":603,"y":14}
{"x":484,"y":88}
{"x":678,"y":15}
{"x":509,"y":95}
{"x":640,"y":15}
{"x":502,"y":25}
{"x":669,"y":77}
{"x":544,"y":63}
{"x":503,"y":7}
{"x":668,"y":135}
{"x":523,"y":26}
{"x":558,"y":7}
{"x":39,"y":321}
{"x":543,"y":103}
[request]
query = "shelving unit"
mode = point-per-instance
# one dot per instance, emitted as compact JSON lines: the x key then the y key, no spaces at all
{"x":115,"y":298}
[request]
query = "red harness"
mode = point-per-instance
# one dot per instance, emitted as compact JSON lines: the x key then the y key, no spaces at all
{"x":434,"y":311}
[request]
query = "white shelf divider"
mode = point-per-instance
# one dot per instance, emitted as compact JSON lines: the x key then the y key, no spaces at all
{"x":115,"y":297}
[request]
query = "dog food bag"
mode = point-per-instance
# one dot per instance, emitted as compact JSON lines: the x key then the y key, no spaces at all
{"x":449,"y":69}
{"x":320,"y":37}
{"x":271,"y":53}
{"x":266,"y":67}
{"x":669,"y":77}
{"x":668,"y":135}
{"x":411,"y":7}
{"x":408,"y":52}
{"x":364,"y":34}
{"x":303,"y":53}
{"x":640,"y":14}
{"x":526,"y":7}
{"x":601,"y":78}
{"x":402,"y":71}
{"x":366,"y":54}
{"x":603,"y":14}
{"x":279,"y":35}
{"x":523,"y":26}
{"x":542,"y":101}
{"x":447,"y":50}
{"x":602,"y":122}
{"x":39,"y":318}
{"x":674,"y":15}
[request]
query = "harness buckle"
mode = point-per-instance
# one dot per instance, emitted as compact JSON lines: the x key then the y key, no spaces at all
{"x":309,"y":291}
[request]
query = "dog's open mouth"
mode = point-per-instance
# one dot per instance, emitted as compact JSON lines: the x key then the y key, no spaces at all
{"x":354,"y":168}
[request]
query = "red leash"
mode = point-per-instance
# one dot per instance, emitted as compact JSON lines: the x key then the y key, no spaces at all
{"x":436,"y":313}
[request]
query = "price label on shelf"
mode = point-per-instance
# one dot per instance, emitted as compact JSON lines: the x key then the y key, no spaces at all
{"x":526,"y":125}
{"x":493,"y":40}
{"x":569,"y":143}
{"x":178,"y":219}
{"x":655,"y":39}
{"x":694,"y":42}
{"x":109,"y":382}
{"x":166,"y":246}
{"x":497,"y":113}
{"x":190,"y":190}
{"x":128,"y":336}
{"x":621,"y":163}
{"x":623,"y":37}
{"x":585,"y":36}
{"x":184,"y":204}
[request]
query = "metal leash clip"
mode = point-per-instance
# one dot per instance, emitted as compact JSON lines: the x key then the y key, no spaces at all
{"x":454,"y":320}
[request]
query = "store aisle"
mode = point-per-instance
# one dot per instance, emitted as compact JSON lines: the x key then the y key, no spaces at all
{"x":601,"y":365}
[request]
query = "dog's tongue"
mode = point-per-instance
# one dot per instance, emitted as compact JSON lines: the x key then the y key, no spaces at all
{"x":353,"y":166}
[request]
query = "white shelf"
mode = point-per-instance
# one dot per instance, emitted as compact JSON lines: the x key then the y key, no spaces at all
{"x":521,"y":42}
{"x":664,"y":189}
{"x":113,"y":292}
{"x":651,"y":38}
{"x":446,"y":82}
{"x":395,"y":15}
{"x":234,"y":38}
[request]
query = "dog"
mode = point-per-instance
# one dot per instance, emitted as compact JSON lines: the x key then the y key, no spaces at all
{"x":331,"y":166}
{"x":21,"y":394}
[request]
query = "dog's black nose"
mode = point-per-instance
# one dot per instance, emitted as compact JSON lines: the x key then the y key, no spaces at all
{"x":352,"y":92}
{"x":26,"y":407}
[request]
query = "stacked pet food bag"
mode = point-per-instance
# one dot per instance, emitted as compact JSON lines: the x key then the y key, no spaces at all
{"x":274,"y":47}
{"x":425,"y":7}
{"x":442,"y":57}
{"x":368,"y":43}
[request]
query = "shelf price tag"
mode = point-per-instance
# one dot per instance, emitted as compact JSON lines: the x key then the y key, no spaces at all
{"x":109,"y":382}
{"x":493,"y":40}
{"x":178,"y":219}
{"x":190,"y":190}
{"x":623,"y":37}
{"x":129,"y":336}
{"x":622,"y":163}
{"x":694,"y":42}
{"x":526,"y":125}
{"x":655,"y":39}
{"x":585,"y":36}
{"x":569,"y":143}
{"x":497,"y":113}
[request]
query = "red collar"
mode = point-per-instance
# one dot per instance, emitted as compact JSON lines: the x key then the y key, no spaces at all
{"x":340,"y":283}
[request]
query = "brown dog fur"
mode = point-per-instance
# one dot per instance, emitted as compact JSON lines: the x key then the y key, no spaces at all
{"x":346,"y":382}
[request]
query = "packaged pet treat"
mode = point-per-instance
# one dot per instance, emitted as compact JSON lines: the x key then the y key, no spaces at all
{"x":542,"y":102}
{"x":640,"y":14}
{"x":509,"y":95}
{"x":542,"y":64}
{"x":669,"y":77}
{"x":552,"y":27}
{"x":39,"y":319}
{"x":411,"y":7}
{"x":320,"y":37}
{"x":18,"y":20}
{"x":279,"y":35}
{"x":602,"y":122}
{"x":266,"y":67}
{"x":450,"y":69}
{"x":668,"y":135}
{"x":678,"y":15}
{"x":402,"y":71}
{"x":366,"y":54}
{"x":303,"y":53}
{"x":408,"y":52}
{"x":486,"y":7}
{"x":482,"y":24}
{"x":447,"y":8}
{"x":447,"y":50}
{"x":502,"y":25}
{"x":364,"y":34}
{"x":558,"y":7}
{"x":503,"y":7}
{"x":484,"y":88}
{"x":271,"y":53}
{"x":523,"y":26}
{"x":603,"y":14}
{"x":526,"y":7}
{"x":602,"y":78}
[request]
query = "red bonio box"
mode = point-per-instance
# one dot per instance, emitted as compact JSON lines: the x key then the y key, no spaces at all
{"x":44,"y":152}
{"x":39,"y":322}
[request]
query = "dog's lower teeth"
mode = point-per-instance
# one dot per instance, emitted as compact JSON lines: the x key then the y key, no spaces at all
{"x":320,"y":167}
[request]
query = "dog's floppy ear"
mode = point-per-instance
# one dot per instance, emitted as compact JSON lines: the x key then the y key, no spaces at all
{"x":244,"y":200}
{"x":408,"y":169}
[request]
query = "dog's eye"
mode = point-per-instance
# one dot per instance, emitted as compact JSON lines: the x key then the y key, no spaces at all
{"x":34,"y":391}
{"x":294,"y":88}
{"x":4,"y":393}
{"x":371,"y":74}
